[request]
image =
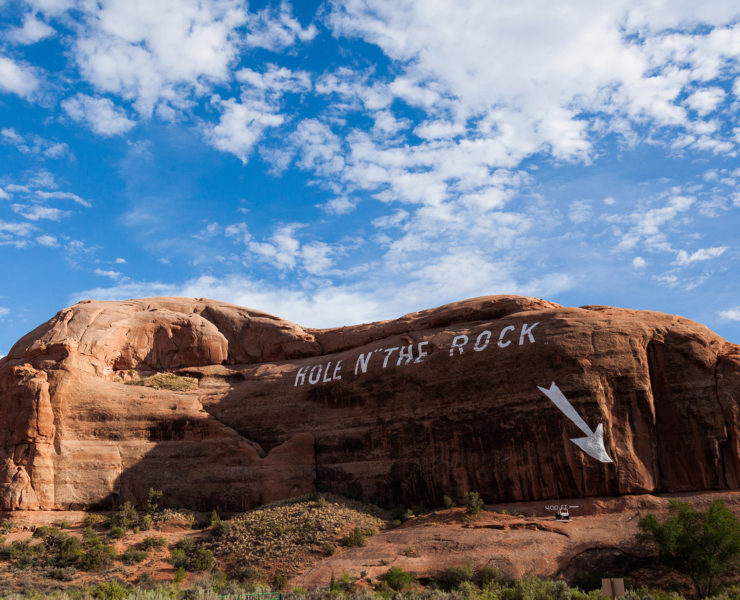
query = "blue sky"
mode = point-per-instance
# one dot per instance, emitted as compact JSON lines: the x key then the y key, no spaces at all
{"x":341,"y":162}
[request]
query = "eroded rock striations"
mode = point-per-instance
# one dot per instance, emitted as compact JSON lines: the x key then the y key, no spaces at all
{"x":435,"y":403}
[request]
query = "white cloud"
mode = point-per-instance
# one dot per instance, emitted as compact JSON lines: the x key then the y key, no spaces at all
{"x":648,"y":224}
{"x":35,"y":212}
{"x":17,"y":79}
{"x":705,"y":101}
{"x":241,"y":126}
{"x":33,"y":30}
{"x":103,"y":117}
{"x":340,"y":205}
{"x":35,"y":144}
{"x":580,"y":211}
{"x":3,"y":311}
{"x":684,"y":258}
{"x":63,"y":196}
{"x":732,"y":314}
{"x":639,"y":263}
{"x":51,"y":7}
{"x":281,"y":250}
{"x":15,"y":234}
{"x":47,"y":240}
{"x":114,"y":275}
{"x":3,"y":194}
{"x":163,"y":52}
{"x":276,"y":29}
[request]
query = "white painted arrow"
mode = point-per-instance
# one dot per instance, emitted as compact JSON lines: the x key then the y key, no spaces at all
{"x":593,"y":443}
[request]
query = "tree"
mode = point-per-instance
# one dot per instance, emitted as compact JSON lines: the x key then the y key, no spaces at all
{"x":703,"y":545}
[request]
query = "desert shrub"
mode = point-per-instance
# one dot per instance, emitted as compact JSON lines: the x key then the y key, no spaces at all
{"x":63,"y":524}
{"x":221,"y":529}
{"x":70,"y":552}
{"x":152,"y":541}
{"x":329,"y":549}
{"x":322,"y":502}
{"x":344,"y":583}
{"x":62,"y":573}
{"x":154,"y":501}
{"x":180,"y":574}
{"x":42,"y":531}
{"x":448,"y":502}
{"x":247,"y":573}
{"x":167,"y":381}
{"x":92,"y":520}
{"x":96,"y":554}
{"x":51,"y":536}
{"x":452,"y":577}
{"x":126,"y":516}
{"x":6,"y":526}
{"x":487,"y":575}
{"x":116,"y":532}
{"x":473,"y":503}
{"x":132,"y":556}
{"x":279,"y":581}
{"x":145,"y":523}
{"x":191,"y":557}
{"x":22,"y":553}
{"x":110,"y":590}
{"x":397,"y":579}
{"x":357,"y":537}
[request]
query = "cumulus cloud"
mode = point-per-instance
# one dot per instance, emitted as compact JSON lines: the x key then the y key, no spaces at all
{"x":639,"y":263}
{"x":100,"y":114}
{"x":240,"y":126}
{"x":16,"y":78}
{"x":731,"y":314}
{"x":33,"y":30}
{"x":276,"y":29}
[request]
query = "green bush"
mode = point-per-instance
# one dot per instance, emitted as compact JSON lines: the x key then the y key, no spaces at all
{"x":448,"y":502}
{"x":152,"y":541}
{"x":132,"y":556}
{"x":154,"y":501}
{"x":110,"y":590}
{"x":146,"y":523}
{"x":126,"y":516}
{"x":192,"y":558}
{"x":96,"y":554}
{"x":357,"y":537}
{"x":473,"y":503}
{"x":116,"y":532}
{"x":452,"y":577}
{"x":221,"y":529}
{"x":397,"y":579}
{"x":703,"y":545}
{"x":92,"y":520}
{"x":70,"y":552}
{"x":62,"y":573}
{"x":279,"y":581}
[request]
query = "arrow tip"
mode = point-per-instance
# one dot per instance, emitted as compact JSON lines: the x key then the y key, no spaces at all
{"x":593,"y":445}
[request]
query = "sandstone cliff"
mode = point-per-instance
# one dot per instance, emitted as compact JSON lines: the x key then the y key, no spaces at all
{"x":402,"y":412}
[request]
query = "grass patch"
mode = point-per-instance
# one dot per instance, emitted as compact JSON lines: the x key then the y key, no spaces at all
{"x":167,"y":381}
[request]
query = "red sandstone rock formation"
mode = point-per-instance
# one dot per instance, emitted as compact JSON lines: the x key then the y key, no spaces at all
{"x":402,"y":412}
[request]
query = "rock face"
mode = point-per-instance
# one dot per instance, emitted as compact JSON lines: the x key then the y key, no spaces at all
{"x":435,"y":403}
